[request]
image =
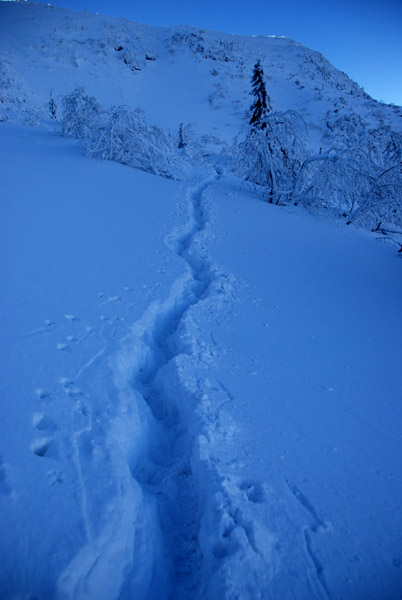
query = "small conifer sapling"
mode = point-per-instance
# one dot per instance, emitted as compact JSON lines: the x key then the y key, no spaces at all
{"x":52,"y":106}
{"x":261,"y":106}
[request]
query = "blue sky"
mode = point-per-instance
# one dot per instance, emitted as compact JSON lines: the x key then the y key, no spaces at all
{"x":361,"y":37}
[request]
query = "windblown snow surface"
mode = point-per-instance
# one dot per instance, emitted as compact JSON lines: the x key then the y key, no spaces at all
{"x":201,"y":393}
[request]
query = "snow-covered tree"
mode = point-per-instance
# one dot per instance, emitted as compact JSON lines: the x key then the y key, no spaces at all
{"x":271,"y":157}
{"x":194,"y":148}
{"x":81,"y":114}
{"x":360,"y":178}
{"x":382,"y":205}
{"x":331,"y":182}
{"x":261,"y":106}
{"x":181,"y":144}
{"x":121,"y":135}
{"x":272,"y":148}
{"x":125,"y":137}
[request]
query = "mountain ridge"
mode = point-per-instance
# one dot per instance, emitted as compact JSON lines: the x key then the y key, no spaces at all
{"x":207,"y":45}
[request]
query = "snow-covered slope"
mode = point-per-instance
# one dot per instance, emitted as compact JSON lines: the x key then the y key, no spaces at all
{"x":343,"y":159}
{"x":177,"y":74}
{"x":201,"y":394}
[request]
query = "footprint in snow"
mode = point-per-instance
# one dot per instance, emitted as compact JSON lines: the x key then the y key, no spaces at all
{"x":55,"y":477}
{"x":256,"y":492}
{"x":69,"y":387}
{"x":43,"y":423}
{"x":70,"y":339}
{"x":44,"y":447}
{"x":82,"y":415}
{"x":42,"y":394}
{"x":61,"y":346}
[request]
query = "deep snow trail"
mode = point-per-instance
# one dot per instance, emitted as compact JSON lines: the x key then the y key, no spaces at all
{"x":206,"y":540}
{"x":165,"y":471}
{"x":166,"y":523}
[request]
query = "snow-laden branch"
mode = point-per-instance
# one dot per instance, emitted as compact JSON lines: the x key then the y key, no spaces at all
{"x":121,"y":135}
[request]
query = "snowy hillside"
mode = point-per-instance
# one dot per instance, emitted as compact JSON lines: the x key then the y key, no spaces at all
{"x":177,"y":75}
{"x":201,"y":392}
{"x":342,"y":160}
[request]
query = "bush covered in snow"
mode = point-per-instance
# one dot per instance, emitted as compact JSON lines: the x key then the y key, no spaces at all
{"x":14,"y":96}
{"x":125,"y":137}
{"x":121,"y":135}
{"x":359,"y":177}
{"x":12,"y":87}
{"x":271,"y":157}
{"x":364,"y":174}
{"x":81,"y":114}
{"x":383,"y":203}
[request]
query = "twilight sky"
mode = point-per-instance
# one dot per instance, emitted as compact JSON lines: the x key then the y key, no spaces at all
{"x":361,"y":37}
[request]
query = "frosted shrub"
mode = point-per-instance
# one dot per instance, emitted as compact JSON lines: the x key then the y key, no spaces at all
{"x":121,"y":135}
{"x":81,"y":114}
{"x":125,"y":137}
{"x":271,"y":157}
{"x":360,"y":178}
{"x":12,"y":87}
{"x":354,"y":188}
{"x":331,"y":181}
{"x":383,"y":203}
{"x":194,"y":147}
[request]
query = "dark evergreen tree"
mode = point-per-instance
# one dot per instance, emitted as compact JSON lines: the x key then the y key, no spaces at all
{"x":261,"y":106}
{"x":52,"y":106}
{"x":182,"y":143}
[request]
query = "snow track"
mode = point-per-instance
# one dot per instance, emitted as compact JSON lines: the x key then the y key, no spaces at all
{"x":173,"y":518}
{"x":147,"y":543}
{"x":148,"y":365}
{"x":203,"y":524}
{"x":165,"y":471}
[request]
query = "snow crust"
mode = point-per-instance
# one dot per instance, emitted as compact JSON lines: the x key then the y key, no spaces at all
{"x":201,"y":394}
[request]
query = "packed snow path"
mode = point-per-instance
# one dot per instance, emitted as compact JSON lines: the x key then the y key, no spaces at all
{"x":147,"y":363}
{"x":166,"y":472}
